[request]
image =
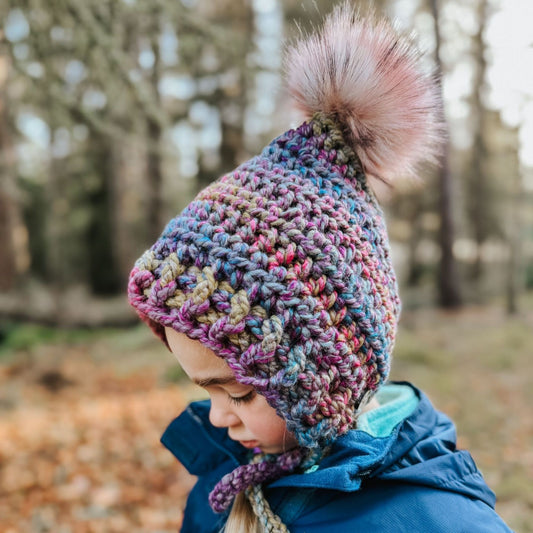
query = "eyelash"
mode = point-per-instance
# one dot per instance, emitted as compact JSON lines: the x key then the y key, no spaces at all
{"x":247,"y":398}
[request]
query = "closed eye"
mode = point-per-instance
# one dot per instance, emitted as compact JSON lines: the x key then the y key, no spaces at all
{"x":247,"y":398}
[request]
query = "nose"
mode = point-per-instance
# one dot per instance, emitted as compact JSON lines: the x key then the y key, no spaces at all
{"x":221,"y":415}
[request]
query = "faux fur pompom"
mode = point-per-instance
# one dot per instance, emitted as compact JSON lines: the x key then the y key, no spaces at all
{"x":362,"y":71}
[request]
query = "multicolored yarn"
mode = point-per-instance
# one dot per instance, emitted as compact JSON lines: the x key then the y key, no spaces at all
{"x":282,"y":267}
{"x":270,"y":522}
{"x":262,"y":469}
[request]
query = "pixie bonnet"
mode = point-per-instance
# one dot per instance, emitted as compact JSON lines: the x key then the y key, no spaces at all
{"x":282,"y":267}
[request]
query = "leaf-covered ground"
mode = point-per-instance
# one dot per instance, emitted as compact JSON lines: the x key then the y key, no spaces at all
{"x":81,"y":416}
{"x":79,"y":438}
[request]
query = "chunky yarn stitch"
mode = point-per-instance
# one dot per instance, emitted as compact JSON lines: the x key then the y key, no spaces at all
{"x":282,"y":267}
{"x":270,"y":522}
{"x":260,"y":470}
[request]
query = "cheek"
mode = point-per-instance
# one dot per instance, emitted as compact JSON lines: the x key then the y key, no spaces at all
{"x":276,"y":430}
{"x":267,"y":426}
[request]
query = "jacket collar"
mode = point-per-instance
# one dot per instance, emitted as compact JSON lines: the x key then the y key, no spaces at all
{"x":419,"y":449}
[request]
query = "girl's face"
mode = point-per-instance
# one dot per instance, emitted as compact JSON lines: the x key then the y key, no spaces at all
{"x":246,"y":414}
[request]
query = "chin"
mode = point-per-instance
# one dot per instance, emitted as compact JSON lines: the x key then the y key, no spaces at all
{"x":274,"y":449}
{"x":270,"y":449}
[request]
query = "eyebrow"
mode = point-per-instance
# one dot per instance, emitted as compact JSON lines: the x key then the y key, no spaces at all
{"x":209,"y":382}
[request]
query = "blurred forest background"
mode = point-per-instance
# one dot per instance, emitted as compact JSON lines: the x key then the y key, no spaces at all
{"x":113,"y":114}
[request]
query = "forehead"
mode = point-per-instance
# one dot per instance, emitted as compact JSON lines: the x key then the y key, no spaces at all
{"x":200,"y":363}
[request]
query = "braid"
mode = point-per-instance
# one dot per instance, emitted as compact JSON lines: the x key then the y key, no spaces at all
{"x":269,"y":521}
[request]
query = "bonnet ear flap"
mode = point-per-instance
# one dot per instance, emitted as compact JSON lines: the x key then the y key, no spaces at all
{"x":371,"y":79}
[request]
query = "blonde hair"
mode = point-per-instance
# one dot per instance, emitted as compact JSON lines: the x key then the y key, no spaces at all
{"x":242,"y":518}
{"x":251,"y":513}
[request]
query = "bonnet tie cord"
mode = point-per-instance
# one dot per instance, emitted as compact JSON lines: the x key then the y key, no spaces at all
{"x":252,"y":474}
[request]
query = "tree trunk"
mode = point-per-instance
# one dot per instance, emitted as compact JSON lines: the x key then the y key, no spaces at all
{"x":14,"y":257}
{"x":232,"y":144}
{"x":235,"y":99}
{"x":7,"y":245}
{"x":102,"y":272}
{"x":8,"y":269}
{"x":414,"y":268}
{"x":155,"y":181}
{"x":154,"y":131}
{"x":515,"y":242}
{"x":479,"y":194}
{"x":56,"y":230}
{"x":449,"y":288}
{"x":448,"y":279}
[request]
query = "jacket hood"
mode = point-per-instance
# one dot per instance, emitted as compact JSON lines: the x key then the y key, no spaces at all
{"x":419,"y":449}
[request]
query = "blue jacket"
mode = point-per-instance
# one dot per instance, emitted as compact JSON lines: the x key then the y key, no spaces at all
{"x":396,"y":475}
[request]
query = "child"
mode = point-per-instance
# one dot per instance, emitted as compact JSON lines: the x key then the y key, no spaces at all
{"x":275,"y":290}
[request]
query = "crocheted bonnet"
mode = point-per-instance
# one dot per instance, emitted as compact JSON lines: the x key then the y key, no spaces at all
{"x":282,"y":267}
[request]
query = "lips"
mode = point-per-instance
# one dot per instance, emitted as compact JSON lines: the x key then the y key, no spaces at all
{"x":249,"y":443}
